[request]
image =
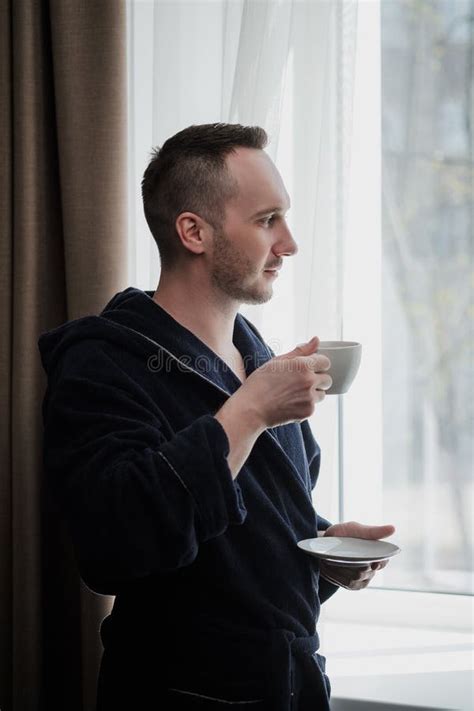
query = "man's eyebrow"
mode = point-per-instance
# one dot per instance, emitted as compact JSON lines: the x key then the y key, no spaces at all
{"x":280,"y":210}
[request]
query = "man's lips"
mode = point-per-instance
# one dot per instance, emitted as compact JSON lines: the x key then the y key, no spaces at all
{"x":273,"y":269}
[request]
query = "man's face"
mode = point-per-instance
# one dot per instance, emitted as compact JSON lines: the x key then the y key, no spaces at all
{"x":255,"y":236}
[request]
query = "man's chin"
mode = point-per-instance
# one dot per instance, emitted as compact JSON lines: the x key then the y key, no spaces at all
{"x":251,"y":294}
{"x":257,"y":297}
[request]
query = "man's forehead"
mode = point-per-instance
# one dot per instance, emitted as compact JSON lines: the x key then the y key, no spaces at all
{"x":260,"y":185}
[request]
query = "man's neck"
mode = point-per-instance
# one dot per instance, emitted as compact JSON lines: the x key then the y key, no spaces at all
{"x":198,"y":310}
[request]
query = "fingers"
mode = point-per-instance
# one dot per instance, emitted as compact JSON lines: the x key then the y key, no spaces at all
{"x":361,"y":530}
{"x":363,"y":579}
{"x":349,"y":577}
{"x":377,"y":532}
{"x":305,"y":356}
{"x":323,"y":382}
{"x":389,"y":530}
{"x":314,"y":365}
{"x":365,"y":575}
{"x":379,"y":564}
{"x":304,"y":349}
{"x":319,"y":395}
{"x":317,"y":363}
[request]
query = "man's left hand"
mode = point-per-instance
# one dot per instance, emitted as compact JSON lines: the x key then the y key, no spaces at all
{"x":351,"y":577}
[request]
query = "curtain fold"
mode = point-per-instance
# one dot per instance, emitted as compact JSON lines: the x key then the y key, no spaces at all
{"x":63,"y":254}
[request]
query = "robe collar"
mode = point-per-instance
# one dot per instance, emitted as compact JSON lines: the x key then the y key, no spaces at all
{"x":136,"y":309}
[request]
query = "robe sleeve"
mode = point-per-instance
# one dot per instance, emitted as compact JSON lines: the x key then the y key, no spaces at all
{"x":134,"y":500}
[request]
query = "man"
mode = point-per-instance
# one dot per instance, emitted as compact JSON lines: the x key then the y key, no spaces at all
{"x":179,"y":449}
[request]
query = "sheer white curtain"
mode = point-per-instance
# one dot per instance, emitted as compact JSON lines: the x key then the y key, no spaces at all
{"x":287,"y":66}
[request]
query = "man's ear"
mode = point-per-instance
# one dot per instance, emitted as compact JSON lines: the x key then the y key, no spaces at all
{"x":193,"y":232}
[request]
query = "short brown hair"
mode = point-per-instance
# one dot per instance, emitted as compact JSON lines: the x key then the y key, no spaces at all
{"x":189,"y":173}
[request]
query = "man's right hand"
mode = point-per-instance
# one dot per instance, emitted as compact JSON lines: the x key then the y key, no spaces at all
{"x":287,"y":387}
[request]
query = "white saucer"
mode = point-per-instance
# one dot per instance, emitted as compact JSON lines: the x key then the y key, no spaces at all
{"x":348,"y":551}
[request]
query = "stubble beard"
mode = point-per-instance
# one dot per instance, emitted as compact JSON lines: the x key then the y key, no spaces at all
{"x":233,"y":273}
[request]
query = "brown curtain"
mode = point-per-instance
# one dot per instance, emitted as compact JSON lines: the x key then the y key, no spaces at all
{"x":63,"y":255}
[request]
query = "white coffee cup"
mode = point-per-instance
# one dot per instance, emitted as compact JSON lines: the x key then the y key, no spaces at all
{"x":345,"y":361}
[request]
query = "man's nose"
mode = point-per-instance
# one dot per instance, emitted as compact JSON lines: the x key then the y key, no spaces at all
{"x":286,"y":245}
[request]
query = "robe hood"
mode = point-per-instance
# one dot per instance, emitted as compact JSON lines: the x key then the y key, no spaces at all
{"x":133,"y":321}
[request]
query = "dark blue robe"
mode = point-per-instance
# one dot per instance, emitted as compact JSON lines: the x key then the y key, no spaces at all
{"x":213,"y":596}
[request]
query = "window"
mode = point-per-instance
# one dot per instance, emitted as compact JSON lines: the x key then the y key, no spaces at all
{"x":397,"y":448}
{"x":407,"y":457}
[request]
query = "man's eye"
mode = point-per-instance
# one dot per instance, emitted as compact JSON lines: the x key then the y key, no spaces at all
{"x":268,"y":220}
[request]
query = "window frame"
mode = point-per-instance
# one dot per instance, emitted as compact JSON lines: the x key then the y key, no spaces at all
{"x":376,"y":604}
